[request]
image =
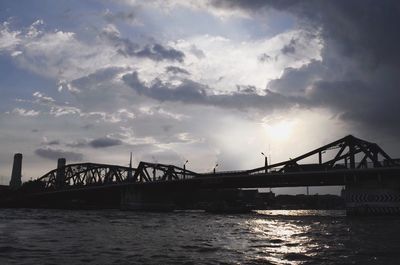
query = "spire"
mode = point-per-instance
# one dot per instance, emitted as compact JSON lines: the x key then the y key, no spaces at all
{"x":130,"y":168}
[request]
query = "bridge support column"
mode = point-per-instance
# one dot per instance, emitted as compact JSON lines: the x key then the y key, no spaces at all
{"x":366,"y":200}
{"x":147,"y":199}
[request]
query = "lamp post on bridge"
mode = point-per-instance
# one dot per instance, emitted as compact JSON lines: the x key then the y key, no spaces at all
{"x":184,"y":169}
{"x":265,"y":162}
{"x":216,"y":165}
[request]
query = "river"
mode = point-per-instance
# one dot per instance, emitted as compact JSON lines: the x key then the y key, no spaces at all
{"x":38,"y":236}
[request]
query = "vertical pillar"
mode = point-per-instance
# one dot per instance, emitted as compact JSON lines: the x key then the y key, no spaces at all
{"x":320,"y":157}
{"x":15,"y":181}
{"x":352,"y":156}
{"x":60,"y":176}
{"x":266,"y":164}
{"x":375,"y":156}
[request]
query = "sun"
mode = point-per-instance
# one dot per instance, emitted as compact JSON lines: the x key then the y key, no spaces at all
{"x":280,"y":130}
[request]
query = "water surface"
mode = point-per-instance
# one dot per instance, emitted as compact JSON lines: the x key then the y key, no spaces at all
{"x":32,"y":236}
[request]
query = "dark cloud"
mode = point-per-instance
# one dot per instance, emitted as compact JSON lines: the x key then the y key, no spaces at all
{"x":295,"y":81}
{"x":358,"y":76}
{"x":104,"y":142}
{"x":156,"y":52}
{"x":176,"y":70}
{"x":289,"y":48}
{"x":54,"y":154}
{"x":192,"y":92}
{"x":359,"y":102}
{"x":188,"y":91}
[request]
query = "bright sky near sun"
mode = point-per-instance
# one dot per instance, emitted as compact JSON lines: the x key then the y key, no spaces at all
{"x":204,"y":81}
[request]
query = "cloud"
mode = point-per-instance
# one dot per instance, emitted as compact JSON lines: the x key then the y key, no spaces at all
{"x":24,"y":112}
{"x":128,"y":17}
{"x":104,"y":142}
{"x":89,"y":82}
{"x":176,"y":70}
{"x":54,"y":154}
{"x":191,"y":92}
{"x":157,"y":52}
{"x":295,"y":81}
{"x":9,"y":39}
{"x":188,"y":91}
{"x":289,"y":48}
{"x":264,"y":58}
{"x":357,"y":78}
{"x":41,"y":98}
{"x":54,"y":142}
{"x":78,"y":143}
{"x":126,"y":47}
{"x":197,"y":52}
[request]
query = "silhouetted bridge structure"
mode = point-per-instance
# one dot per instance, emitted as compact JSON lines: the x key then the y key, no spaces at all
{"x":361,"y":166}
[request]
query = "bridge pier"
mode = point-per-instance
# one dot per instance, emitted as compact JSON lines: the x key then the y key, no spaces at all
{"x":368,"y":199}
{"x":147,"y":199}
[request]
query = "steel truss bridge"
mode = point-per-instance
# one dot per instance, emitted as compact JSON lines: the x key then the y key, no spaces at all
{"x":350,"y":159}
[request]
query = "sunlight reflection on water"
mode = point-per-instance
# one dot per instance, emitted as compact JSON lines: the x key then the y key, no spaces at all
{"x":280,"y":241}
{"x":302,"y":212}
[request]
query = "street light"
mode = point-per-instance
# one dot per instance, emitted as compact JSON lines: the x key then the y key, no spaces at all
{"x":320,"y":156}
{"x":184,"y":169}
{"x":265,"y":162}
{"x":215,"y":167}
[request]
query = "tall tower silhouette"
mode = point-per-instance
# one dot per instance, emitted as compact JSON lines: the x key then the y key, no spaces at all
{"x":15,"y":181}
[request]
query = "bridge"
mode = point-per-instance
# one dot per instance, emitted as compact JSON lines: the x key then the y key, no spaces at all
{"x":364,"y":168}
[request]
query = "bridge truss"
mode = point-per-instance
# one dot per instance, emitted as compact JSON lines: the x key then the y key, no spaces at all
{"x":345,"y":151}
{"x":348,"y":148}
{"x":85,"y":174}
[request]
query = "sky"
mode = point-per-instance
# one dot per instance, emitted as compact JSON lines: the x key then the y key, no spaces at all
{"x":211,"y":81}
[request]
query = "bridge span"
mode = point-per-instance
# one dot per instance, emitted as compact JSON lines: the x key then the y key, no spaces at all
{"x":370,"y":176}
